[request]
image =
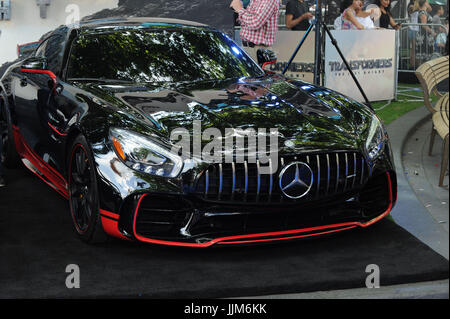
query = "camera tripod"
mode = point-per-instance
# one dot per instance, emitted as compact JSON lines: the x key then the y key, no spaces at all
{"x":319,"y":23}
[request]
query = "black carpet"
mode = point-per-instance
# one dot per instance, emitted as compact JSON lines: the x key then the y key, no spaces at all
{"x":37,"y":243}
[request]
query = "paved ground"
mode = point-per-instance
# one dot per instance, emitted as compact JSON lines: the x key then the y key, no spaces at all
{"x":425,"y":290}
{"x":422,"y":208}
{"x":422,"y":172}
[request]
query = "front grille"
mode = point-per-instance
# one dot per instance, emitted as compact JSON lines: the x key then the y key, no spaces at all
{"x":333,"y":174}
{"x":156,"y":217}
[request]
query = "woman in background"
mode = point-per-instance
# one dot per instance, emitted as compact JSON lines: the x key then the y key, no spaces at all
{"x":426,"y":35}
{"x":386,"y":18}
{"x":348,"y":17}
{"x":413,"y":11}
{"x":364,"y":17}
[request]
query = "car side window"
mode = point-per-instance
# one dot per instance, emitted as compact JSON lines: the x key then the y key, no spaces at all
{"x":54,"y":52}
{"x":40,"y":52}
{"x":53,"y":49}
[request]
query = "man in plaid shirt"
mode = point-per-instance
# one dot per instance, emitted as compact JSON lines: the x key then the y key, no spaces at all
{"x":259,"y":24}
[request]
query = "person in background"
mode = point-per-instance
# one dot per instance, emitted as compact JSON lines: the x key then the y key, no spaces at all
{"x":410,"y":7}
{"x":425,"y":18}
{"x":386,"y":18}
{"x":428,"y":6}
{"x":245,"y":4}
{"x":259,"y":24}
{"x":413,"y":30}
{"x":426,"y":36}
{"x":446,"y":44}
{"x":413,"y":12}
{"x":348,"y":17}
{"x":364,"y":17}
{"x":413,"y":4}
{"x":442,"y":40}
{"x":437,"y":19}
{"x":298,"y":15}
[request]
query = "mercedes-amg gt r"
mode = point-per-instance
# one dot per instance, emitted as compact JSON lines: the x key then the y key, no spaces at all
{"x":93,"y":110}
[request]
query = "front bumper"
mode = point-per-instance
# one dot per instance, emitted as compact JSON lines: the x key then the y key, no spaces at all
{"x":180,"y":220}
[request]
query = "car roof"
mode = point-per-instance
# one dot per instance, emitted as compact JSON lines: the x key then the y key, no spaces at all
{"x":108,"y":24}
{"x":135,"y":21}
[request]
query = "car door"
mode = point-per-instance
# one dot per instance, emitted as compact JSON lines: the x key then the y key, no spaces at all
{"x":39,"y":119}
{"x":27,"y":88}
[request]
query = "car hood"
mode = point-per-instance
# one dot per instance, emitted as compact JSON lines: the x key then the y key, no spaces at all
{"x":307,"y":117}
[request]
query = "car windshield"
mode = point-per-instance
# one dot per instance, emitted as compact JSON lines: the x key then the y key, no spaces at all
{"x":168,"y":54}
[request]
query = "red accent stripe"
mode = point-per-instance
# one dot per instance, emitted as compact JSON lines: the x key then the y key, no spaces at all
{"x":283,"y":238}
{"x":57,"y":181}
{"x":58,"y":132}
{"x":19,"y":46}
{"x":111,"y":227}
{"x":109,"y":214}
{"x":49,"y":73}
{"x":28,"y":43}
{"x":227,"y":240}
{"x":267,"y":63}
{"x":46,"y":181}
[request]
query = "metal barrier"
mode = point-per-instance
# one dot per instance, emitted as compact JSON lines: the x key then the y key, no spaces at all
{"x":418,"y":45}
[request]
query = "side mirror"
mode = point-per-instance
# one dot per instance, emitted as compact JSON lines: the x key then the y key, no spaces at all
{"x":265,"y":57}
{"x":39,"y":66}
{"x":35,"y":63}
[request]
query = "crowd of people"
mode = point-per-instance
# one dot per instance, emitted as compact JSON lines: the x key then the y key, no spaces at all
{"x":259,"y":22}
{"x":427,"y":34}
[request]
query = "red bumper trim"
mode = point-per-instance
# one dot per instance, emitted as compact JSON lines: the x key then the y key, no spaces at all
{"x":276,"y":236}
{"x":110,"y":226}
{"x":109,"y":214}
{"x":53,"y":178}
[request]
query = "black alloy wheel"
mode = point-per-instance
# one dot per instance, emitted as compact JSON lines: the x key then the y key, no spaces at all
{"x":83,"y":193}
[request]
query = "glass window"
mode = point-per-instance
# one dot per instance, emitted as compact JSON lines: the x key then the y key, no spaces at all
{"x":54,"y":52}
{"x":168,"y":54}
{"x":53,"y":49}
{"x":40,"y":52}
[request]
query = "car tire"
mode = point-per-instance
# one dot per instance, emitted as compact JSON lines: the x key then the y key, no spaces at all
{"x":8,"y":156}
{"x":83,"y":193}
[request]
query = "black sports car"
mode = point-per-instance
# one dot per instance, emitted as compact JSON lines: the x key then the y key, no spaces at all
{"x":92,"y":112}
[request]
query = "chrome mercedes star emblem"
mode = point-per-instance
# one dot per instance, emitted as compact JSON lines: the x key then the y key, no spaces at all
{"x":296,"y":180}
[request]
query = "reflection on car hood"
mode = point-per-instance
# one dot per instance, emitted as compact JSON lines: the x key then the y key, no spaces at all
{"x":310,"y":117}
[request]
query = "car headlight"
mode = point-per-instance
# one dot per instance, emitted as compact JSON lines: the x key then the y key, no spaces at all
{"x":376,"y":139}
{"x":141,"y":154}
